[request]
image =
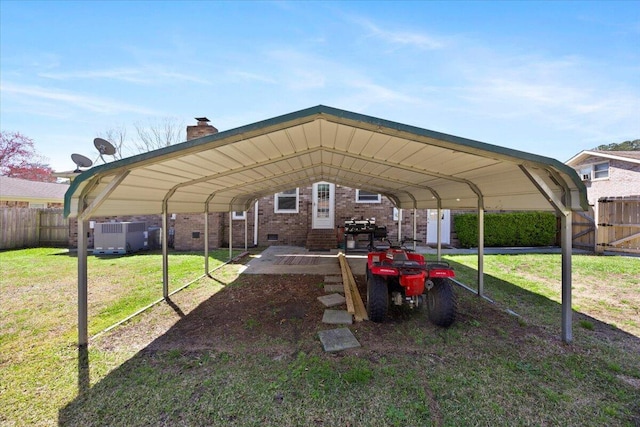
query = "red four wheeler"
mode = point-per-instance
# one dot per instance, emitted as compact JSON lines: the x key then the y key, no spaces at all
{"x":398,"y":274}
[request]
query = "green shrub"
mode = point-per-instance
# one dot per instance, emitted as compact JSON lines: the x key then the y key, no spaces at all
{"x":507,"y":229}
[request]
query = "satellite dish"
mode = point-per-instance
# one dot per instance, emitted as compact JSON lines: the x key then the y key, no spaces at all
{"x":81,"y":161}
{"x":104,"y":146}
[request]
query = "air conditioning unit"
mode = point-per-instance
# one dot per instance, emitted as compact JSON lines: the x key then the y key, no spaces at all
{"x":586,"y":176}
{"x":114,"y":238}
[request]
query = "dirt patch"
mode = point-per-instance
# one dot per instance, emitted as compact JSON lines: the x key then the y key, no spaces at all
{"x":280,"y":315}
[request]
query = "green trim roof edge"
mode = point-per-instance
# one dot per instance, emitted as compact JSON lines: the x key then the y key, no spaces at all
{"x":331,"y":111}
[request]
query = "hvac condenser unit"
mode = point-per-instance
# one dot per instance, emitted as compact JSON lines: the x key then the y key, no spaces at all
{"x":111,"y":238}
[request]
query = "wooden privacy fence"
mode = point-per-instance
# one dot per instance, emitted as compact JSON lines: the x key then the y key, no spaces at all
{"x":584,"y":230}
{"x":25,"y":228}
{"x":619,"y":224}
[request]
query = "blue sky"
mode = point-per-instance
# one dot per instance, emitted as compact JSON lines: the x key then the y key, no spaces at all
{"x":550,"y":78}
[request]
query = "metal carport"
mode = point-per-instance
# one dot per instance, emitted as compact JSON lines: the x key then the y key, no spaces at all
{"x":415,"y":168}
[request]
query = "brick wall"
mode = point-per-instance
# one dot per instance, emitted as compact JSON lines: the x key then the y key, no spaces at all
{"x":284,"y":228}
{"x":347,"y":208}
{"x":189,"y":231}
{"x":624,"y":180}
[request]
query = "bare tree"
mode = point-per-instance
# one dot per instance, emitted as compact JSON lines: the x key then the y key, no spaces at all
{"x":150,"y":136}
{"x":118,"y":137}
{"x":159,"y":134}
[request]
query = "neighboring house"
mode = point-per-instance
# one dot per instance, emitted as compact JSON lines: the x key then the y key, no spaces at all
{"x":25,"y":220}
{"x":608,"y":173}
{"x":21,"y":193}
{"x":612,"y":179}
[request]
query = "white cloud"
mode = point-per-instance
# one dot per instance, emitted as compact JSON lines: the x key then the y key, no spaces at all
{"x":85,"y":102}
{"x":416,"y":39}
{"x":244,"y":75}
{"x":143,"y":75}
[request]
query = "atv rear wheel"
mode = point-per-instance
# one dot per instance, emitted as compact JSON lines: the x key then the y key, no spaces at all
{"x":377,"y":298}
{"x":441,"y":303}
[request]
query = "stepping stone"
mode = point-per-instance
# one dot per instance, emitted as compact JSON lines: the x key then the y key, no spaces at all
{"x":337,"y":317}
{"x":334,"y":288}
{"x":332,"y":300}
{"x":338,"y":339}
{"x":332,"y":279}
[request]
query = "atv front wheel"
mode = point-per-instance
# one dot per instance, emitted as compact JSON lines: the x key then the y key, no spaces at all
{"x":377,"y":298}
{"x":441,"y":303}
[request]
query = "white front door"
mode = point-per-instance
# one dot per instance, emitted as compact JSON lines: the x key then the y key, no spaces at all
{"x":432,"y":226}
{"x":323,"y":205}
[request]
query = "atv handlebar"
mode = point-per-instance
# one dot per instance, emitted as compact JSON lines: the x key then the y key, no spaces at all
{"x":396,"y":245}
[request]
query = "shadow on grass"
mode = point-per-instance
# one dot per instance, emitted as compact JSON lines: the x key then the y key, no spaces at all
{"x":218,"y":254}
{"x":236,"y":360}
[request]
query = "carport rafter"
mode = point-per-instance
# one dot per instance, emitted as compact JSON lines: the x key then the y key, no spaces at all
{"x":387,"y":191}
{"x":233,"y":172}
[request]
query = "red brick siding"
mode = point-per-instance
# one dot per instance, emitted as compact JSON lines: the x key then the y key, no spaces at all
{"x":188,"y":224}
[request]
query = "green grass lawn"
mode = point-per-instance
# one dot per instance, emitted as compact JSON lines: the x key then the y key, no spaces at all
{"x":38,"y":373}
{"x":489,"y":368}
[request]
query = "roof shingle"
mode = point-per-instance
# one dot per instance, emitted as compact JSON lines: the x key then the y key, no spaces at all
{"x":22,"y":188}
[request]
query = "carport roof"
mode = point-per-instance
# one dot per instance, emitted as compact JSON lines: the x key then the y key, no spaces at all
{"x":413,"y":167}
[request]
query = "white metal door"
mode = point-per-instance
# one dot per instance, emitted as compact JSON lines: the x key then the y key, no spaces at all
{"x":432,"y":226}
{"x":323,"y":205}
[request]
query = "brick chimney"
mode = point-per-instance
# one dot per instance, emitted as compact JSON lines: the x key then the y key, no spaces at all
{"x":203,"y":128}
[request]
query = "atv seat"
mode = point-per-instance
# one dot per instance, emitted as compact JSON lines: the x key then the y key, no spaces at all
{"x":400,"y":256}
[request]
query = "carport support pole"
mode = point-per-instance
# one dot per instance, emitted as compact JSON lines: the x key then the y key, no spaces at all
{"x":165,"y":254}
{"x":255,"y":224}
{"x":565,"y":237}
{"x":439,"y":233}
{"x":230,"y":235}
{"x":415,"y":227}
{"x":246,"y":230}
{"x":480,"y":251}
{"x":206,"y":239}
{"x":83,"y":336}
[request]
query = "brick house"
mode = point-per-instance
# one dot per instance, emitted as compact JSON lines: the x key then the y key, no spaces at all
{"x":299,"y":216}
{"x":612,"y":179}
{"x":608,"y":173}
{"x":22,"y":193}
{"x":291,"y":218}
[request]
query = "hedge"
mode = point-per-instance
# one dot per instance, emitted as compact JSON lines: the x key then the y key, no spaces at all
{"x":507,"y":229}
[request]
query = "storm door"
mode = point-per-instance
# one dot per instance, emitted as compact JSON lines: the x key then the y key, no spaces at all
{"x":323,"y":205}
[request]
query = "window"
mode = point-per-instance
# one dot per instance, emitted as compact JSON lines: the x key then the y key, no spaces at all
{"x":367,"y":197}
{"x":601,"y":170}
{"x":239,"y":215}
{"x":286,"y":201}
